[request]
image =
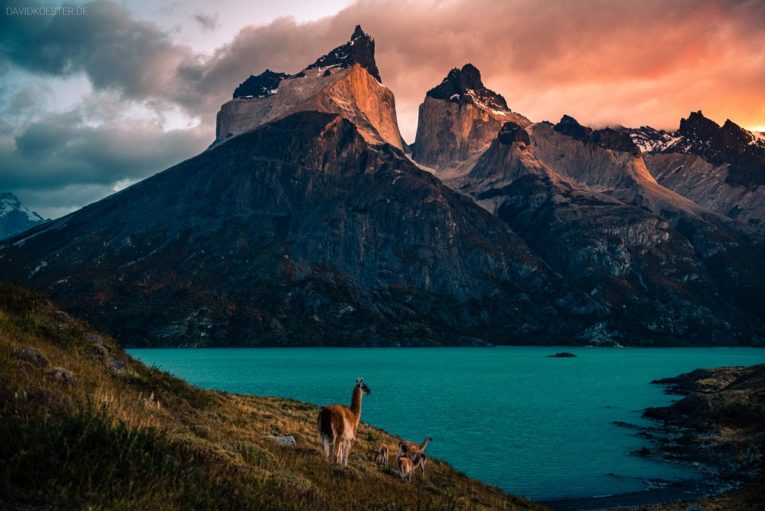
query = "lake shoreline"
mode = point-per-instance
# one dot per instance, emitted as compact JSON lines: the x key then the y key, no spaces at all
{"x":690,"y":432}
{"x":599,"y":390}
{"x":717,"y":427}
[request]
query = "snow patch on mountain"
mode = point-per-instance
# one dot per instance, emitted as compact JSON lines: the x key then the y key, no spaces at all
{"x":15,"y":217}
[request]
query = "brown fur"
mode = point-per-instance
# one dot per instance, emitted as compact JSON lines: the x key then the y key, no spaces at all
{"x":408,"y":463}
{"x":382,"y":455}
{"x":337,"y":425}
{"x":406,"y":446}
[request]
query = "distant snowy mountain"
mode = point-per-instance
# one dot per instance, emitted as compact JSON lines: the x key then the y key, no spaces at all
{"x":721,"y":168}
{"x":14,"y":217}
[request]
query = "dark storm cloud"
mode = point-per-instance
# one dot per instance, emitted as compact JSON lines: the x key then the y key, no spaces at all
{"x":61,"y":150}
{"x":114,"y":50}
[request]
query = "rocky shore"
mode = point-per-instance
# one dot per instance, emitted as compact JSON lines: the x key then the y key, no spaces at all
{"x":719,"y":427}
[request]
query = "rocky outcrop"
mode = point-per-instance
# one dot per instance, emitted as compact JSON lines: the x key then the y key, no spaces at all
{"x":562,"y":354}
{"x":606,"y":138}
{"x":719,"y":422}
{"x":345,"y":82}
{"x":261,"y":86}
{"x":15,"y":218}
{"x":298,"y":232}
{"x":31,"y":355}
{"x":721,"y":168}
{"x":458,"y":120}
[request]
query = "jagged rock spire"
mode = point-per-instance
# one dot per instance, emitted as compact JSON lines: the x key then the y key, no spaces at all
{"x":464,"y":86}
{"x":360,"y":49}
{"x":698,"y":126}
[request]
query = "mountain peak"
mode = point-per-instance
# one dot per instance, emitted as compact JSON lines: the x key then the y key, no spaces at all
{"x":358,"y":33}
{"x":571,"y":127}
{"x":14,"y":217}
{"x":465,"y":86}
{"x":7,"y":199}
{"x":360,"y":49}
{"x":696,"y":126}
{"x":732,"y":133}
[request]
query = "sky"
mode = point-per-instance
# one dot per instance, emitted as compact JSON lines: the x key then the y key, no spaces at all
{"x":97,"y":95}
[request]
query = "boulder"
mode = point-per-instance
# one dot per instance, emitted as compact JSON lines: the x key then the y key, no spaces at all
{"x":61,"y":375}
{"x":31,"y":355}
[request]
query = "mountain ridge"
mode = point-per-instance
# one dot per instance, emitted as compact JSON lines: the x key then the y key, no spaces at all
{"x":305,"y":223}
{"x":721,"y":168}
{"x":586,"y":202}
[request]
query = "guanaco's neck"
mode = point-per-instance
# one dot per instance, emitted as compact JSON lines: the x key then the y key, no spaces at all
{"x":424,"y":444}
{"x":356,"y":403}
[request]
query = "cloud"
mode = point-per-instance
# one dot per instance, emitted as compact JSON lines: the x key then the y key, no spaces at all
{"x":59,"y":152}
{"x":604,"y":62}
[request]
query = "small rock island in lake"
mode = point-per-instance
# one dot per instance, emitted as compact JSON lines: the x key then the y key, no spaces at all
{"x":562,"y":354}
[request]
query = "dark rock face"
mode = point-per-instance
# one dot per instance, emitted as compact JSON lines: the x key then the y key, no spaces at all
{"x":465,"y":86}
{"x":569,"y":126}
{"x":14,"y":217}
{"x":299,"y":232}
{"x":260,"y":86}
{"x":513,"y":133}
{"x":606,"y":138}
{"x":637,"y":250}
{"x":729,"y":144}
{"x":359,"y":50}
{"x":698,"y":127}
{"x":612,"y":139}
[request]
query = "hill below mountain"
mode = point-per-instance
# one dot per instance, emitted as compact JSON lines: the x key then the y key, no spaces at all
{"x":83,"y":425}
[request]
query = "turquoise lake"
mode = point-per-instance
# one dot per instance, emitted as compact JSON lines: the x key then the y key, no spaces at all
{"x":535,"y":426}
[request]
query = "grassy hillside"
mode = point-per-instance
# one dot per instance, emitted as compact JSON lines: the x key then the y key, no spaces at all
{"x":83,"y":425}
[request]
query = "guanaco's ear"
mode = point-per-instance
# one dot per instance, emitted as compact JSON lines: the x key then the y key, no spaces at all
{"x":359,"y":380}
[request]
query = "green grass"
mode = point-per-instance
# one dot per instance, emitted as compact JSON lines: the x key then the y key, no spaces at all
{"x":139,"y":438}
